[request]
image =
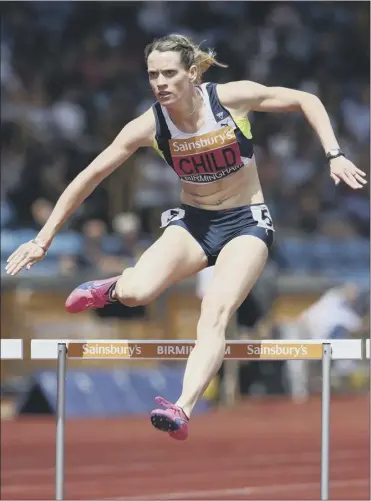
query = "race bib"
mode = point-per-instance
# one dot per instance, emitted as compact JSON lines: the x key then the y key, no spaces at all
{"x":171,"y":215}
{"x":208,"y":157}
{"x":262,"y":216}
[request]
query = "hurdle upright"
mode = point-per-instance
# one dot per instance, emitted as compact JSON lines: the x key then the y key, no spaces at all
{"x":324,"y":350}
{"x":325,"y":421}
{"x":61,"y":418}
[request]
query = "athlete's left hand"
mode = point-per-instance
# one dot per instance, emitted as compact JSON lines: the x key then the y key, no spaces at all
{"x":344,"y":170}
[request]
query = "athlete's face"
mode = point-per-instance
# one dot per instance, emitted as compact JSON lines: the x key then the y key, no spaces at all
{"x":169,"y":79}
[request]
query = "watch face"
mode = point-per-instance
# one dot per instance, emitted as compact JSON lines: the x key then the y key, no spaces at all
{"x":334,"y":151}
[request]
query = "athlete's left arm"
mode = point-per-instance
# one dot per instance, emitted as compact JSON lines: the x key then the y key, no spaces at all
{"x":243,"y":96}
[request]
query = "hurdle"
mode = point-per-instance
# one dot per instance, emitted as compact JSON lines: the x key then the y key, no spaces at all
{"x":11,"y":349}
{"x":83,"y":349}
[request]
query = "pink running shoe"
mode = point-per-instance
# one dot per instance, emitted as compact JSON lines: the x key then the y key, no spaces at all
{"x":90,"y":295}
{"x":171,"y":419}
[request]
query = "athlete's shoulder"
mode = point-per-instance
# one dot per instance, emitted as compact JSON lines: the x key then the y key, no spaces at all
{"x":236,"y":94}
{"x":229,"y":91}
{"x":139,"y":132}
{"x":143,"y":127}
{"x":146,"y":119}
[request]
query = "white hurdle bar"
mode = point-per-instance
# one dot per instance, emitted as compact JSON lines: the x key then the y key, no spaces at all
{"x":11,"y":349}
{"x":325,"y":350}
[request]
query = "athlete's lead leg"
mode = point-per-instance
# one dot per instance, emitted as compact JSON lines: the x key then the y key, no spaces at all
{"x":238,"y":267}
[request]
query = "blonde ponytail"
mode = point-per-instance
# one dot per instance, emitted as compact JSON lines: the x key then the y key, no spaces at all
{"x":204,"y":60}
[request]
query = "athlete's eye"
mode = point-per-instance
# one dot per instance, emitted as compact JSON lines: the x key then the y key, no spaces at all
{"x":152,"y":74}
{"x":169,"y":73}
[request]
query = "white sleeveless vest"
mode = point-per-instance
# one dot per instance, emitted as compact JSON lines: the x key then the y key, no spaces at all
{"x":221,"y":147}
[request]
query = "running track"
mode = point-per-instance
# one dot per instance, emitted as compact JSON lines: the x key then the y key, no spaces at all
{"x":261,"y":450}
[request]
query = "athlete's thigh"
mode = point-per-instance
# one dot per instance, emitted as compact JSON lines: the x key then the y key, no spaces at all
{"x":237,"y":268}
{"x":175,"y":256}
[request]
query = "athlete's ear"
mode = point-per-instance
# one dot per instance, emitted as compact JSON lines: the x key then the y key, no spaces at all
{"x":193,"y":73}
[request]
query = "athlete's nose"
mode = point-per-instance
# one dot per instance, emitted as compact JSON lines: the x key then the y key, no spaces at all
{"x":161,"y":82}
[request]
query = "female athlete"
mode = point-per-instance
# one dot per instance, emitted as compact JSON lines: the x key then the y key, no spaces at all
{"x":201,"y":130}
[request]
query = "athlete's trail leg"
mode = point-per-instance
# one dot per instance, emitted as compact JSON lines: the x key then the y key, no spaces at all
{"x":238,"y":267}
{"x":173,"y":257}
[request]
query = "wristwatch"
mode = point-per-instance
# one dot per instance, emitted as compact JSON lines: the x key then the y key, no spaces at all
{"x":334,"y":153}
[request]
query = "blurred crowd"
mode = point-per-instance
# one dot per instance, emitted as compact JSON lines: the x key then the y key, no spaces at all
{"x":73,"y":73}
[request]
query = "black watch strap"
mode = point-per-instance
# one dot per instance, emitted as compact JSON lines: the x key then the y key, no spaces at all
{"x":334,"y":153}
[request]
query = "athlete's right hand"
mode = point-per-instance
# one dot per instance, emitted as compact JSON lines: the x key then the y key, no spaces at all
{"x":24,"y":257}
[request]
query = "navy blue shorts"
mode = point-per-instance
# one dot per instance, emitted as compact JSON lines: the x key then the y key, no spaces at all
{"x":214,"y":229}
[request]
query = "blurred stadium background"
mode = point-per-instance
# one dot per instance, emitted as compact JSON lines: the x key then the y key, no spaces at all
{"x":72,"y":75}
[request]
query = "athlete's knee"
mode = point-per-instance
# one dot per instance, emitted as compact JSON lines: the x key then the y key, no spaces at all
{"x":133,"y":295}
{"x":214,"y":318}
{"x":132,"y":292}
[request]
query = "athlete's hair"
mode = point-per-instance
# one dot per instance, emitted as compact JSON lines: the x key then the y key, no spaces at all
{"x":190,"y":53}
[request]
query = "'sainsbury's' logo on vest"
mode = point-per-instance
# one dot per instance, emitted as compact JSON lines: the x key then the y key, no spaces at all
{"x":206,"y":142}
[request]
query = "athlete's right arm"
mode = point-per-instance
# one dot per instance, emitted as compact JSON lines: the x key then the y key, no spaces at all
{"x":137,"y":133}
